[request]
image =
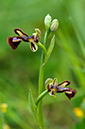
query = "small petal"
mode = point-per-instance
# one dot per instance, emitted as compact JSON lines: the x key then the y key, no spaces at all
{"x":36,"y":35}
{"x":55,"y":81}
{"x":13,"y":42}
{"x":49,"y":85}
{"x":38,"y":31}
{"x":52,"y":93}
{"x":33,"y":46}
{"x":48,"y":81}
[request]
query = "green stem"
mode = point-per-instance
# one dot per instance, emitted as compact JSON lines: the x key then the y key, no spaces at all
{"x":40,"y":97}
{"x":41,"y":75}
{"x":43,"y":48}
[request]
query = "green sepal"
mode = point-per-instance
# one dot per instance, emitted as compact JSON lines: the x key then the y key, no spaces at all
{"x":47,"y":82}
{"x":50,"y":49}
{"x":55,"y":81}
{"x":33,"y":107}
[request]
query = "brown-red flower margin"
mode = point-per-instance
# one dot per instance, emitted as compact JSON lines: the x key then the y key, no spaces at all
{"x":16,"y":40}
{"x":52,"y":87}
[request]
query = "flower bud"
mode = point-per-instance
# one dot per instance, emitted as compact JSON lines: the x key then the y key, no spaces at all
{"x":47,"y":21}
{"x":54,"y":25}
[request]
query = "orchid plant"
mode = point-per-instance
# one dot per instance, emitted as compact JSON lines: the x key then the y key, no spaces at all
{"x":50,"y":85}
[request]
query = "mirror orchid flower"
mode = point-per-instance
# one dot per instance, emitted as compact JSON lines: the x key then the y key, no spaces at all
{"x":52,"y":87}
{"x":16,"y":40}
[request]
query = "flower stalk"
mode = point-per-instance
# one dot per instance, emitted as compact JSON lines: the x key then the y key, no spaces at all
{"x":42,"y":47}
{"x":40,"y":97}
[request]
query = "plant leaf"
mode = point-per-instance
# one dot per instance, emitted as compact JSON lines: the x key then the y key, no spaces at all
{"x":33,"y":107}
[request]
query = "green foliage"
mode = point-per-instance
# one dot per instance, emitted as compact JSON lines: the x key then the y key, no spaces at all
{"x":33,"y":107}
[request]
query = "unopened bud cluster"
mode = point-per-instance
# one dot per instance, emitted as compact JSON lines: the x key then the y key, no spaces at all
{"x":50,"y":24}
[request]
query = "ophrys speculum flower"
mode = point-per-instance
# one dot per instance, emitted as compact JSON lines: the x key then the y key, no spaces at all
{"x":16,"y":40}
{"x":52,"y":87}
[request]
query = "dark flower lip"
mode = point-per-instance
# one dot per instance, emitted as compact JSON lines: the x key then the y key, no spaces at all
{"x":72,"y":94}
{"x":12,"y":44}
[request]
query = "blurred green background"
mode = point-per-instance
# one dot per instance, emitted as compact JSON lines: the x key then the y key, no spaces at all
{"x":19,"y":68}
